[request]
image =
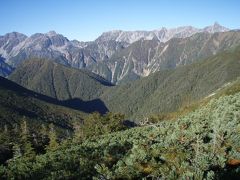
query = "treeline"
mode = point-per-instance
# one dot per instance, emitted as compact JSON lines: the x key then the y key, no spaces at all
{"x":26,"y":141}
{"x":204,"y":144}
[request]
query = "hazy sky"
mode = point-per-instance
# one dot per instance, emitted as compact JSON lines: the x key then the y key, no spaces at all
{"x":85,"y":20}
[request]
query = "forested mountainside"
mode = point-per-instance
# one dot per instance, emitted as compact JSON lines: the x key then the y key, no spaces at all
{"x":31,"y":122}
{"x":59,"y":81}
{"x":179,"y":122}
{"x":203,"y":144}
{"x":18,"y":104}
{"x":168,"y":90}
{"x":161,"y":92}
{"x":120,"y":90}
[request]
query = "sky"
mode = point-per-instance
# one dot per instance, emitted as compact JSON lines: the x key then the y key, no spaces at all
{"x":86,"y":20}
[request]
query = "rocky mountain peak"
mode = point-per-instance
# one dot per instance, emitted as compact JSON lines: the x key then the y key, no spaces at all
{"x":216,"y":27}
{"x":15,"y":35}
{"x":51,"y":33}
{"x":163,"y":34}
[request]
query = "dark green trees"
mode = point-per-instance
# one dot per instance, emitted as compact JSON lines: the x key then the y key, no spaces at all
{"x":95,"y":125}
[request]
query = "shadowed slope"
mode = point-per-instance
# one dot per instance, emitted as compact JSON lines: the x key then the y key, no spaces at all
{"x":59,"y":81}
{"x":168,"y":90}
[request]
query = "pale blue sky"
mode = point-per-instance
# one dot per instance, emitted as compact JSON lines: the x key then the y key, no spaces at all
{"x":86,"y":20}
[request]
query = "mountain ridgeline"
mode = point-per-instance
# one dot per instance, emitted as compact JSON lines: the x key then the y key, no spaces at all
{"x":160,"y":92}
{"x":59,"y":81}
{"x":162,"y":104}
{"x":168,"y":90}
{"x":203,"y":144}
{"x":18,"y":104}
{"x":115,"y":54}
{"x":145,"y":57}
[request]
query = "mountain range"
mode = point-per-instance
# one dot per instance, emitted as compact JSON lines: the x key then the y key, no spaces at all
{"x":162,"y":104}
{"x":111,"y":55}
{"x":18,"y":103}
{"x":162,"y":35}
{"x":59,"y":81}
{"x":143,"y":66}
{"x":161,"y":92}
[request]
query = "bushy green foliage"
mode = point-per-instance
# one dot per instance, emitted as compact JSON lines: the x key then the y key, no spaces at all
{"x":25,"y":119}
{"x":18,"y":104}
{"x":161,"y":92}
{"x":53,"y":144}
{"x":168,"y":90}
{"x":201,"y":145}
{"x":95,"y":125}
{"x":26,"y":146}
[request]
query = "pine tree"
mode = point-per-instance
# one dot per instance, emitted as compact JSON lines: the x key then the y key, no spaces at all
{"x":43,"y":135}
{"x":78,"y":132}
{"x":17,"y":151}
{"x":53,"y":144}
{"x":25,"y":140}
{"x":4,"y":136}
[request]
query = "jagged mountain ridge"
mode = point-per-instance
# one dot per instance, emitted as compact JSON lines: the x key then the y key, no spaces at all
{"x":160,"y":92}
{"x":16,"y":47}
{"x":163,"y":34}
{"x":168,"y":90}
{"x":145,"y":57}
{"x":55,"y":47}
{"x":9,"y":41}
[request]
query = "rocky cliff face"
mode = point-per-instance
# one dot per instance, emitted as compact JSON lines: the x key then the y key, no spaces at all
{"x":16,"y":47}
{"x":162,"y":34}
{"x":5,"y":69}
{"x":144,"y":57}
{"x":9,"y":41}
{"x":117,"y":55}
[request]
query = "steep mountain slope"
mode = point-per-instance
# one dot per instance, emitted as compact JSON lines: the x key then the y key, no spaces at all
{"x":9,"y":41}
{"x":96,"y":52}
{"x":161,"y":92}
{"x":162,"y":34}
{"x":145,"y":57}
{"x":201,"y":145}
{"x":18,"y":104}
{"x":16,"y":47}
{"x":168,"y":90}
{"x":127,"y":64}
{"x":40,"y":45}
{"x":59,"y":81}
{"x":5,"y":69}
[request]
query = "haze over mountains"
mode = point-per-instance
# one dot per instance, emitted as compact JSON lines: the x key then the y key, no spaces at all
{"x":114,"y":55}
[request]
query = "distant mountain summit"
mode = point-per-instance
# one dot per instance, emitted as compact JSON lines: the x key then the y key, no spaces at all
{"x":216,"y":27}
{"x":16,"y":47}
{"x":162,"y":34}
{"x":115,"y":55}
